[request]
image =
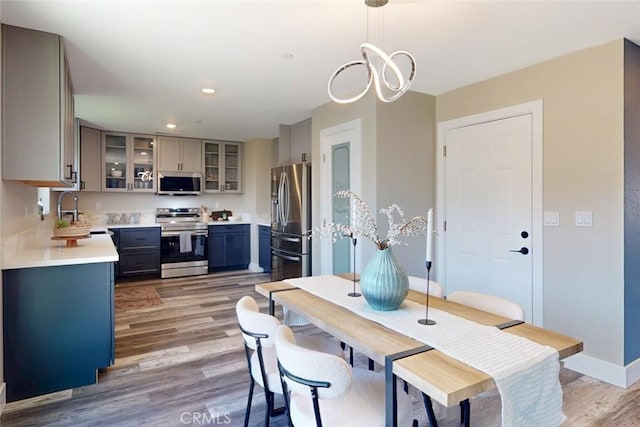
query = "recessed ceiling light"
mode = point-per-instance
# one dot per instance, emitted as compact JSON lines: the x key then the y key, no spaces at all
{"x":287,"y":56}
{"x":143,"y":153}
{"x":208,"y":90}
{"x":171,"y":126}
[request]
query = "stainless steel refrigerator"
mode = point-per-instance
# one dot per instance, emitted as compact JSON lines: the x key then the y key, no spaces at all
{"x":290,"y":221}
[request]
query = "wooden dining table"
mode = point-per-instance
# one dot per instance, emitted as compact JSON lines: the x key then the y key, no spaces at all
{"x":443,"y":378}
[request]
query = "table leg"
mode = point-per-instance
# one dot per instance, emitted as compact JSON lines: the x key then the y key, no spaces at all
{"x":390,"y":388}
{"x":272,"y":304}
{"x":391,"y":394}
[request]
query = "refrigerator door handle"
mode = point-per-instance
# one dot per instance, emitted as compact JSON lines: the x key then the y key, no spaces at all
{"x":280,"y":199}
{"x":286,"y":201}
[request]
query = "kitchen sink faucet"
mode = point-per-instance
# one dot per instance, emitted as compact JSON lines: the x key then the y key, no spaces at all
{"x":68,"y":211}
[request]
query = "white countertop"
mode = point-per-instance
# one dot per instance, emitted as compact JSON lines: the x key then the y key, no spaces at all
{"x":105,"y":226}
{"x":228,"y":222}
{"x":34,"y":248}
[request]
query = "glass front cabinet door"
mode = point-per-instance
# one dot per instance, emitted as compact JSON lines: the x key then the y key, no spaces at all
{"x":222,"y":166}
{"x":129,"y":161}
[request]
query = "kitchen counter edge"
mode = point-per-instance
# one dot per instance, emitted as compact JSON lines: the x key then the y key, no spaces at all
{"x":229,"y":222}
{"x":36,"y":249}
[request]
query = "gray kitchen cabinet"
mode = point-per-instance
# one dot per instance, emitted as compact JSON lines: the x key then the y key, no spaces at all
{"x":127,"y":161}
{"x":284,"y":146}
{"x":138,"y":251}
{"x":179,"y":154}
{"x":38,"y":143}
{"x":301,"y":142}
{"x":294,"y":143}
{"x":90,"y":159}
{"x":222,"y":166}
{"x":229,"y":247}
{"x":73,"y":163}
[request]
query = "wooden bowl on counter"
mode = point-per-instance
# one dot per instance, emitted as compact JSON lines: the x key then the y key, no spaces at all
{"x":72,"y":231}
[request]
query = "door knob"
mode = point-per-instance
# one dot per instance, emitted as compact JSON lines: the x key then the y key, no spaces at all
{"x":522,"y":250}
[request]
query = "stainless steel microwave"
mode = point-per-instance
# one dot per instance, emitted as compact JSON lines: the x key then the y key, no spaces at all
{"x":180,"y":183}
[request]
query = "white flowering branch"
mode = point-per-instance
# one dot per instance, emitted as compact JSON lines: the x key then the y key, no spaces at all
{"x":363,"y":224}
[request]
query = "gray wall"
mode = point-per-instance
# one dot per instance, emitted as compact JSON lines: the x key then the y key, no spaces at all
{"x":631,"y":201}
{"x":398,"y":164}
{"x":406,"y":168}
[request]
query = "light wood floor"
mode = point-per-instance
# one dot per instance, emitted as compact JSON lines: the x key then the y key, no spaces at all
{"x":182,"y":363}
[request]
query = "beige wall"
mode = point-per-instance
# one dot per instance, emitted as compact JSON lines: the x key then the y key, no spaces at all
{"x":257,"y":165}
{"x":406,"y":167}
{"x":583,"y":170}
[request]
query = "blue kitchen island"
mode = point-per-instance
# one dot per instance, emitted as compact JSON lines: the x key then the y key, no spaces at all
{"x":58,"y":314}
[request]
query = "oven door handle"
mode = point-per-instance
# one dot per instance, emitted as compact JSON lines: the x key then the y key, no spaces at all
{"x":177,"y":233}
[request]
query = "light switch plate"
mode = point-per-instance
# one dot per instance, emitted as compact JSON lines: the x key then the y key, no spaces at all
{"x":584,"y":219}
{"x":552,"y":219}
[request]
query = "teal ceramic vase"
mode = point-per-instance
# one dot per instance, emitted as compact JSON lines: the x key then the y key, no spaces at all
{"x":384,"y":283}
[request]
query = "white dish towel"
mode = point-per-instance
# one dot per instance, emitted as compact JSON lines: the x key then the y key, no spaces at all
{"x":185,"y":242}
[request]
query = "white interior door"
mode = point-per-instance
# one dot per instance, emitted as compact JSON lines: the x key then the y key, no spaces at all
{"x":488,"y":211}
{"x":340,"y":170}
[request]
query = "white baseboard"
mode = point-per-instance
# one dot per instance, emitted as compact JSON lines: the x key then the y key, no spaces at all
{"x":621,"y":376}
{"x":3,"y":397}
{"x":633,"y":372}
{"x":255,"y":268}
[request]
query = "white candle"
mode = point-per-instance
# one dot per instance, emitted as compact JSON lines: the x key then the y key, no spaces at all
{"x":430,"y":235}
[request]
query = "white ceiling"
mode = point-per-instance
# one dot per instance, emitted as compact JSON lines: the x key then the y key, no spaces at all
{"x":137,"y":65}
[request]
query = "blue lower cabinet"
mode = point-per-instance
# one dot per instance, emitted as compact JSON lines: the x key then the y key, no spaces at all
{"x":229,"y":247}
{"x":58,"y":327}
{"x":139,"y":252}
{"x":264,"y":251}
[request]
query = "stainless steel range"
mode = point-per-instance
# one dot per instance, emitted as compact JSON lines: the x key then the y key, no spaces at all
{"x":183,"y":242}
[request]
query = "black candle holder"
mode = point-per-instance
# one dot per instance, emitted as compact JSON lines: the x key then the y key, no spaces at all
{"x":354,"y":293}
{"x":426,"y":320}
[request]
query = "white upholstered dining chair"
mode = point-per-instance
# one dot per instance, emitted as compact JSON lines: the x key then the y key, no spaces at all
{"x":322,"y":389}
{"x":491,"y":304}
{"x":258,"y":331}
{"x":420,"y":284}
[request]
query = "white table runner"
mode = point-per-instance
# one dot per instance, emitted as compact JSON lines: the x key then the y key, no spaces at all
{"x":526,"y":373}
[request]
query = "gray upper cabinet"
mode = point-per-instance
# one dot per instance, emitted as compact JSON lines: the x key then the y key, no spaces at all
{"x":90,"y":159}
{"x":179,"y":154}
{"x":301,"y":142}
{"x":128,"y":162}
{"x":294,"y":143}
{"x":222,"y":166}
{"x":38,"y":142}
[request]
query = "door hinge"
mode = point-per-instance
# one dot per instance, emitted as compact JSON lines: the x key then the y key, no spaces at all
{"x":324,"y":158}
{"x":445,"y":225}
{"x":444,"y":150}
